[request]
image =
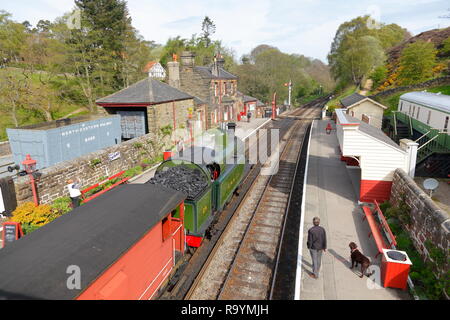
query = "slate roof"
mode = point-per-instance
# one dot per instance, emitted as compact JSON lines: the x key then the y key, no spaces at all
{"x":428,"y":99}
{"x":206,"y":73}
{"x":259,"y":104}
{"x":91,"y":237}
{"x":372,"y":131}
{"x":199,"y":101}
{"x":352,"y":99}
{"x":149,"y":91}
{"x":249,"y":99}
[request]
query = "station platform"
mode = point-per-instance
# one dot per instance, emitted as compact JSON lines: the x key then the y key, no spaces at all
{"x":332,"y":195}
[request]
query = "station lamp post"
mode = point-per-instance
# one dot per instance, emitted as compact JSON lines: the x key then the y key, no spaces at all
{"x":29,"y":165}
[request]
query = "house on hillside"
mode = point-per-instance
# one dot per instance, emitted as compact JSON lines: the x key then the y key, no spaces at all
{"x":364,"y":108}
{"x":211,"y":84}
{"x":155,"y":70}
{"x":147,"y":106}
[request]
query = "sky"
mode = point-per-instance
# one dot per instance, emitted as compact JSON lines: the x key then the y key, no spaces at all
{"x":297,"y":26}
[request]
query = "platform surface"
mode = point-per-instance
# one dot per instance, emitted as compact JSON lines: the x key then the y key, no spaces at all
{"x":331,"y":196}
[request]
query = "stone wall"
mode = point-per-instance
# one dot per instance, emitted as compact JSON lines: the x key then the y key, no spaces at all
{"x":5,"y":148}
{"x":428,"y":221}
{"x":53,"y":180}
{"x":424,"y":85}
{"x":161,"y":115}
{"x":194,"y":84}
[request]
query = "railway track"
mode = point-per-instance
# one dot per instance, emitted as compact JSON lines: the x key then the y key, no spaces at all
{"x":241,"y":264}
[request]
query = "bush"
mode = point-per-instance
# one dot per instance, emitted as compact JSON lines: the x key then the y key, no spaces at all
{"x":28,"y":228}
{"x":62,"y":205}
{"x":133,"y":172}
{"x":28,"y":213}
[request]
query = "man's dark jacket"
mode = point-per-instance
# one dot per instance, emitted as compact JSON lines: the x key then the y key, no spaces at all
{"x":317,"y":238}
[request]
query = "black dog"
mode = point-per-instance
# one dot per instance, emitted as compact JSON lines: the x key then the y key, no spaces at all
{"x":358,"y":257}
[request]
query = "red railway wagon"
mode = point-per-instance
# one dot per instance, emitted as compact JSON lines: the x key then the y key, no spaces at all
{"x":122,"y":245}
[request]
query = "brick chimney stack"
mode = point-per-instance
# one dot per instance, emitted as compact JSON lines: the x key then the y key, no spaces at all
{"x":174,"y":73}
{"x":219,"y":62}
{"x":188,"y":59}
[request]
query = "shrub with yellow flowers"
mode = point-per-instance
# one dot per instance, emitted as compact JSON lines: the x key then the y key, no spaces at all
{"x":33,"y":217}
{"x":439,"y":68}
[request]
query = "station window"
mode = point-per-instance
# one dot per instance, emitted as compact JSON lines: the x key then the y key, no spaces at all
{"x":418,"y":112}
{"x":429,"y":117}
{"x":446,"y":124}
{"x":414,"y":111}
{"x":401,"y":106}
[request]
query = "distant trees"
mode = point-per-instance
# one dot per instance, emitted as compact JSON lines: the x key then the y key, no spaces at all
{"x":358,"y":49}
{"x":208,"y":29}
{"x":266,"y":69}
{"x":203,"y":46}
{"x":57,"y":66}
{"x":417,"y":62}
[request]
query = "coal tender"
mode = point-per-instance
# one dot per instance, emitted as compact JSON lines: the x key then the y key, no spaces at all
{"x":207,"y":181}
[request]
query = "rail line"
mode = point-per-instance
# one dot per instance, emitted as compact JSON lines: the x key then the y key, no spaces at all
{"x":241,"y":264}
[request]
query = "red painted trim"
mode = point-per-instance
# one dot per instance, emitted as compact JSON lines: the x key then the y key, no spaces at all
{"x":385,"y":224}
{"x":19,"y":232}
{"x":102,"y":182}
{"x":193,"y":241}
{"x":107,"y":105}
{"x":106,"y":190}
{"x":371,"y":190}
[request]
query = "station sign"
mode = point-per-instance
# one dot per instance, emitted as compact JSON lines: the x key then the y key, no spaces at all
{"x":12,"y":231}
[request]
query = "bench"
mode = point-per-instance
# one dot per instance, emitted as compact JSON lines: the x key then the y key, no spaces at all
{"x":377,"y":228}
{"x":85,"y":191}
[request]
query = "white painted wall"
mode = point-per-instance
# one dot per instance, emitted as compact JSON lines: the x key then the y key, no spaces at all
{"x":378,"y":160}
{"x":370,"y":109}
{"x":419,"y":112}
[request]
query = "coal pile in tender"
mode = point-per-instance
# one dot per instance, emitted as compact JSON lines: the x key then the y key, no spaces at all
{"x":189,"y":181}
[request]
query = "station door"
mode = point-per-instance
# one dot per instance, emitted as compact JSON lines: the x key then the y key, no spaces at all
{"x":132,"y":123}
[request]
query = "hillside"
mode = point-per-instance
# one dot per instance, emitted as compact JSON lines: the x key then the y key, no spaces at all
{"x":436,"y":36}
{"x":29,"y":97}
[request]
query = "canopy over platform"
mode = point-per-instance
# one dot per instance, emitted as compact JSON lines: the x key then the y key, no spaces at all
{"x":376,"y":154}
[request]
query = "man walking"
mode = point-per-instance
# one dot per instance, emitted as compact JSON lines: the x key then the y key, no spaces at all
{"x":317,"y":242}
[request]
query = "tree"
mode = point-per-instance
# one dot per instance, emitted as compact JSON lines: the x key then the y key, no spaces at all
{"x":446,"y":47}
{"x":12,"y":37}
{"x":379,"y":75}
{"x":13,"y":91}
{"x":416,"y":62}
{"x":208,"y":29}
{"x":357,"y":49}
{"x":43,"y":26}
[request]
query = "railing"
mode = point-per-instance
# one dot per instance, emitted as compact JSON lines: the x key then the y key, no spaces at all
{"x":430,"y":143}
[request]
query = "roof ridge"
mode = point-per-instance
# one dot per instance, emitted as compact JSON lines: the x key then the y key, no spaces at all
{"x":117,"y":92}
